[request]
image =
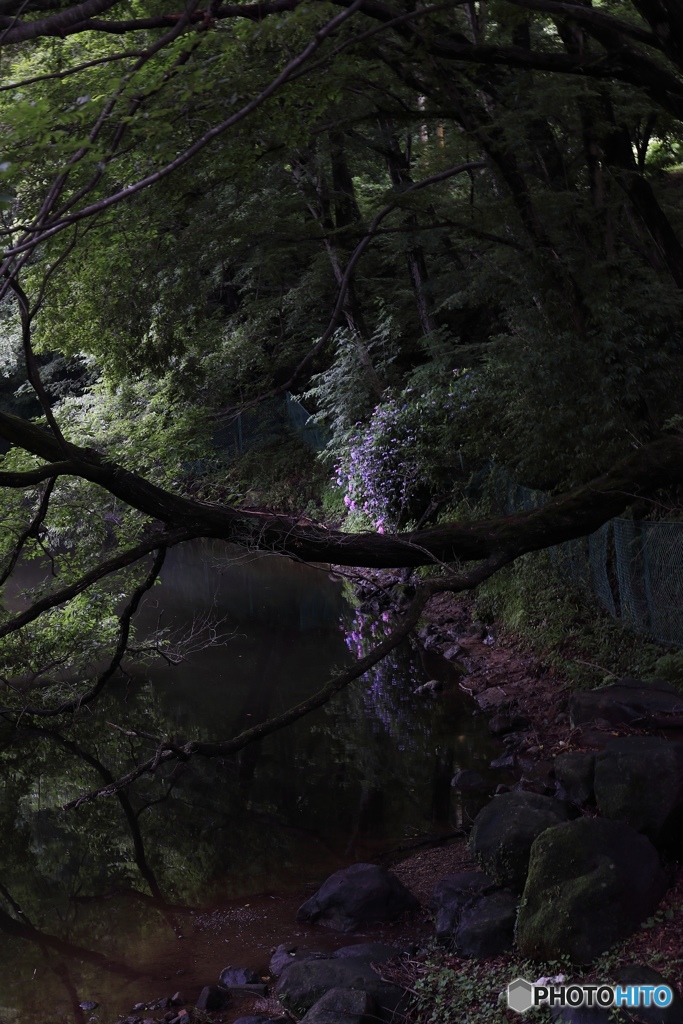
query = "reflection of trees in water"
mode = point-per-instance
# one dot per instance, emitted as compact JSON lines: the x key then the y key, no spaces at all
{"x":404,"y":746}
{"x":79,"y":887}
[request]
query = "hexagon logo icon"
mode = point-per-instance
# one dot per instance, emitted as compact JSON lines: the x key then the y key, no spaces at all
{"x":520,"y":996}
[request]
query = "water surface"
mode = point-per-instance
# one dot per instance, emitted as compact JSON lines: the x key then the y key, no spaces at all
{"x":93,"y":901}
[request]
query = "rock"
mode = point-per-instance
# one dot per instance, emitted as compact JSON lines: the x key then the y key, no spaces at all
{"x":626,"y":702}
{"x":303,"y":984}
{"x":505,"y":829}
{"x":212,"y":997}
{"x":343,"y":1004}
{"x":376,"y":952}
{"x":452,"y":895}
{"x":452,"y":652}
{"x":500,"y":724}
{"x":506,"y":761}
{"x":177,"y":1000}
{"x":287,"y":954}
{"x":637,"y":975}
{"x":468,"y":781}
{"x":487,"y":926}
{"x":429,"y":689}
{"x":91,"y":1005}
{"x":234,"y":977}
{"x":590,"y":883}
{"x":639,"y":780}
{"x":574,"y":774}
{"x":357,"y":896}
{"x":433,"y":643}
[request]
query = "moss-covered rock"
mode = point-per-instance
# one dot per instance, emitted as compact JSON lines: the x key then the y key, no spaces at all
{"x":574,"y":772}
{"x":639,"y":780}
{"x":505,"y":829}
{"x":590,"y":883}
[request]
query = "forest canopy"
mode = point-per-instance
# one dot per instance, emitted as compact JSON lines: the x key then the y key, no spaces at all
{"x":455,"y":228}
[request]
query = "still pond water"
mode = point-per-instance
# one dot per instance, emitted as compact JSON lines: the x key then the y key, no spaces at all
{"x":124,"y":900}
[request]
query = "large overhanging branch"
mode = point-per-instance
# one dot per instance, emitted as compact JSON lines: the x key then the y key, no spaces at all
{"x":644,"y":471}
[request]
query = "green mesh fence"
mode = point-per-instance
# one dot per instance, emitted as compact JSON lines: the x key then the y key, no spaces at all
{"x":267,"y":422}
{"x":649,"y":567}
{"x":634,"y":568}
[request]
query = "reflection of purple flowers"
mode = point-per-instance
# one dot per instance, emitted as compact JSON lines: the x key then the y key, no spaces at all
{"x":389,"y":685}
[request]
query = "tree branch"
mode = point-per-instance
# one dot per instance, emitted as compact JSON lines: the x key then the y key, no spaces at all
{"x":168,"y":752}
{"x":648,"y":468}
{"x":125,"y":558}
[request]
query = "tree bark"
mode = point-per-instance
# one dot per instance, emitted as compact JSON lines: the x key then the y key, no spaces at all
{"x":576,"y":514}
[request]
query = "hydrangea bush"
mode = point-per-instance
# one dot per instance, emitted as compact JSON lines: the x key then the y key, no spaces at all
{"x":408,"y":453}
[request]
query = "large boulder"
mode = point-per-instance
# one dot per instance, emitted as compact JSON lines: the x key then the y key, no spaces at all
{"x":474,"y":916}
{"x":452,"y":895}
{"x":505,"y":829}
{"x":343,"y":1005}
{"x":487,"y":926}
{"x":287,"y":954}
{"x":356,"y":897}
{"x":590,"y":883}
{"x":303,"y":984}
{"x":574,"y":774}
{"x":213,"y":997}
{"x":636,"y":974}
{"x":639,"y":780}
{"x":627,"y":702}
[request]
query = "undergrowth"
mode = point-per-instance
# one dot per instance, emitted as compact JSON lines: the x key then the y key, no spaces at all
{"x":566,"y":627}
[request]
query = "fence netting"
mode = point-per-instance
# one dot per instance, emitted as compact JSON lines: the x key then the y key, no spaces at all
{"x":268,"y":422}
{"x":633,"y":567}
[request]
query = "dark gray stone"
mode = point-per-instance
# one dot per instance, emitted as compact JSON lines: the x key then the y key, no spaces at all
{"x":452,"y":895}
{"x":500,"y":724}
{"x":468,"y":781}
{"x":506,"y":761}
{"x":303,"y":984}
{"x":487,"y":926}
{"x":639,"y":780}
{"x":212,"y":997}
{"x":429,"y":689}
{"x":234,"y":977}
{"x":591,"y":882}
{"x":574,"y":773}
{"x":343,"y":1006}
{"x":626,"y":702}
{"x":287,"y":954}
{"x":377,"y":952}
{"x":357,"y":896}
{"x":639,"y":975}
{"x":505,"y":829}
